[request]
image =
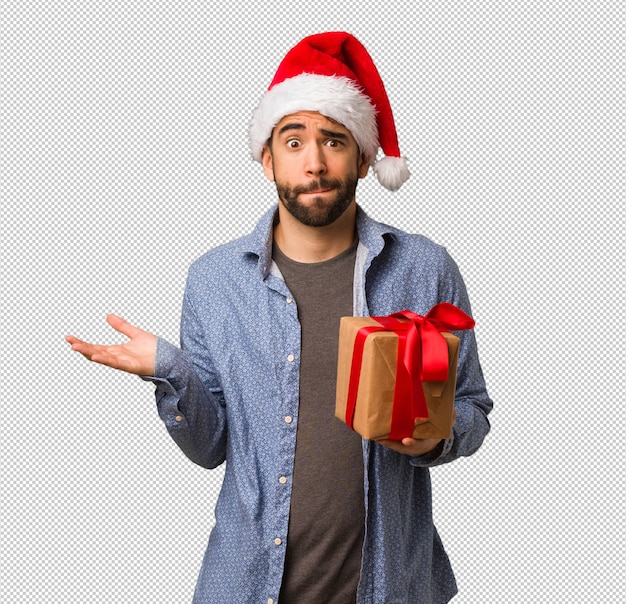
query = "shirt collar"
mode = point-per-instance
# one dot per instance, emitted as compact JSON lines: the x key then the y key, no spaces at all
{"x":372,"y":233}
{"x":259,"y":242}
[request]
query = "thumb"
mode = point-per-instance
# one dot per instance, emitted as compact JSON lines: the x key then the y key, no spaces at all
{"x":122,"y":326}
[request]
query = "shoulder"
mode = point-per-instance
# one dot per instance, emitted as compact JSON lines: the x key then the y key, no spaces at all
{"x":217,"y":256}
{"x":414,"y":242}
{"x":221,"y":264}
{"x":385,"y":239}
{"x":412,"y":258}
{"x":239,"y":255}
{"x":409,"y":270}
{"x":406,"y":249}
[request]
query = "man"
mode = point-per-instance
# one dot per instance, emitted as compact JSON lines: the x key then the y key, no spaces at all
{"x":309,"y":511}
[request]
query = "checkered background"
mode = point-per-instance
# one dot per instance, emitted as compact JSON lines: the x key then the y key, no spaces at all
{"x":123,"y":157}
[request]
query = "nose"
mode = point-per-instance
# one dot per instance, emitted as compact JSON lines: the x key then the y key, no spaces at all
{"x":315,"y":161}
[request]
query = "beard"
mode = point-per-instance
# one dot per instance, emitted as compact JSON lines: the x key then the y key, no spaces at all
{"x":319,"y":211}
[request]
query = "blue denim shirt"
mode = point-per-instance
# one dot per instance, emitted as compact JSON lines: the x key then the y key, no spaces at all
{"x":231,"y":394}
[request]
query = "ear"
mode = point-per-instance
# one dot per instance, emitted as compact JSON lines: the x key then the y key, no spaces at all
{"x":267,"y":162}
{"x":364,"y":165}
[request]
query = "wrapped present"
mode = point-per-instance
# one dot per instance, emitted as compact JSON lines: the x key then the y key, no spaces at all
{"x":396,"y":375}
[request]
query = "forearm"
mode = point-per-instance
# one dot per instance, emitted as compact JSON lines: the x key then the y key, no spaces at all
{"x":472,"y":402}
{"x":470,"y":429}
{"x":472,"y":405}
{"x":192,"y":414}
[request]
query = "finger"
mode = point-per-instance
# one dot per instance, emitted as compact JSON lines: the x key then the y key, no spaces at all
{"x":75,"y":343}
{"x":111,"y":356}
{"x":84,"y":348}
{"x":122,"y":326}
{"x":394,"y":445}
{"x":405,"y":442}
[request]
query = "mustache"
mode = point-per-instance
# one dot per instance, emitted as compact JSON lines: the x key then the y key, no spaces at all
{"x":317,"y":185}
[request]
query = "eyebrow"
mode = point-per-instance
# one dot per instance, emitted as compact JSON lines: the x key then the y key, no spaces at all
{"x":334,"y":134}
{"x":296,"y":126}
{"x":288,"y":127}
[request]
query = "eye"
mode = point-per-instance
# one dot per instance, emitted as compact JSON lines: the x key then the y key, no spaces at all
{"x":293,"y":143}
{"x":333,"y":142}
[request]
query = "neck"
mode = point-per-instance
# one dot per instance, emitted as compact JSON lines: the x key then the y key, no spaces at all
{"x":314,"y":244}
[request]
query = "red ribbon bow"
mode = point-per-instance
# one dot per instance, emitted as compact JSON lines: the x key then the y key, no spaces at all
{"x":422,"y":357}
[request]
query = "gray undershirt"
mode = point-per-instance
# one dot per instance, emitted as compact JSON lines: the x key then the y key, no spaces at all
{"x":327,"y":516}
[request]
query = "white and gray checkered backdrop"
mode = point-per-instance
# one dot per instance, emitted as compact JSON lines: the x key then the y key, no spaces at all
{"x":123,"y":157}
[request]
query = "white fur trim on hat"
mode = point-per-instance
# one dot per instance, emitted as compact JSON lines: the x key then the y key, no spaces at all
{"x":337,"y":98}
{"x":391,"y":172}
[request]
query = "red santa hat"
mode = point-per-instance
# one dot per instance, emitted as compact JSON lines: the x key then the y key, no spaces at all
{"x":333,"y":74}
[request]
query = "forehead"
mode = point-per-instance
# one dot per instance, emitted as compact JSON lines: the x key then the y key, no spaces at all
{"x":310,"y":119}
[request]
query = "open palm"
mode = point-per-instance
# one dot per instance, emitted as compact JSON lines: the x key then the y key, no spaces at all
{"x":135,"y":356}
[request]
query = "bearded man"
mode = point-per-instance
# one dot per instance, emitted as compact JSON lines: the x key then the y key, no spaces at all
{"x":309,"y":511}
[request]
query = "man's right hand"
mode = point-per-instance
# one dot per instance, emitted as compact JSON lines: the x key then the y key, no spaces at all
{"x":135,"y":356}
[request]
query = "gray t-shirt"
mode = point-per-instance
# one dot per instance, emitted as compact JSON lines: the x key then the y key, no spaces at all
{"x":327,"y":517}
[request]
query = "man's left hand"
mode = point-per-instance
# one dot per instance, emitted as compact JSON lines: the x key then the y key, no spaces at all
{"x":412,"y":446}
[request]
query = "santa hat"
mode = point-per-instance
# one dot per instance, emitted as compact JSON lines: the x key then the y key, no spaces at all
{"x":333,"y":74}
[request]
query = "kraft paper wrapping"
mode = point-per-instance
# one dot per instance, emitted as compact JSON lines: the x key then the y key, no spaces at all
{"x":375,"y":399}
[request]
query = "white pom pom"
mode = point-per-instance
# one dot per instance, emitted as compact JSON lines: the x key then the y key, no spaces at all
{"x":391,"y":172}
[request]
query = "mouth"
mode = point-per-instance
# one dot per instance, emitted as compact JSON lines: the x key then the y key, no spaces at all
{"x":318,"y":192}
{"x":320,"y":188}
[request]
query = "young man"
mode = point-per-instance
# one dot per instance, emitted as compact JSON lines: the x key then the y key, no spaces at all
{"x":309,"y":512}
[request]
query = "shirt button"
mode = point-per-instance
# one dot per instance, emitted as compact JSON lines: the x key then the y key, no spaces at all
{"x":291,"y":358}
{"x":289,"y":300}
{"x":278,"y":541}
{"x":282,"y":480}
{"x":270,"y":601}
{"x":288,"y":419}
{"x":179,"y":418}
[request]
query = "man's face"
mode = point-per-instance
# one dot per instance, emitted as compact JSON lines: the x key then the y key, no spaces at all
{"x":316,"y":164}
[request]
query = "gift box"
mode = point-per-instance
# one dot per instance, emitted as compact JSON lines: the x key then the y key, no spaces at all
{"x":396,"y":375}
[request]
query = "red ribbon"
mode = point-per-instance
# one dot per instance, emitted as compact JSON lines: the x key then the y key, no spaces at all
{"x":422,"y":357}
